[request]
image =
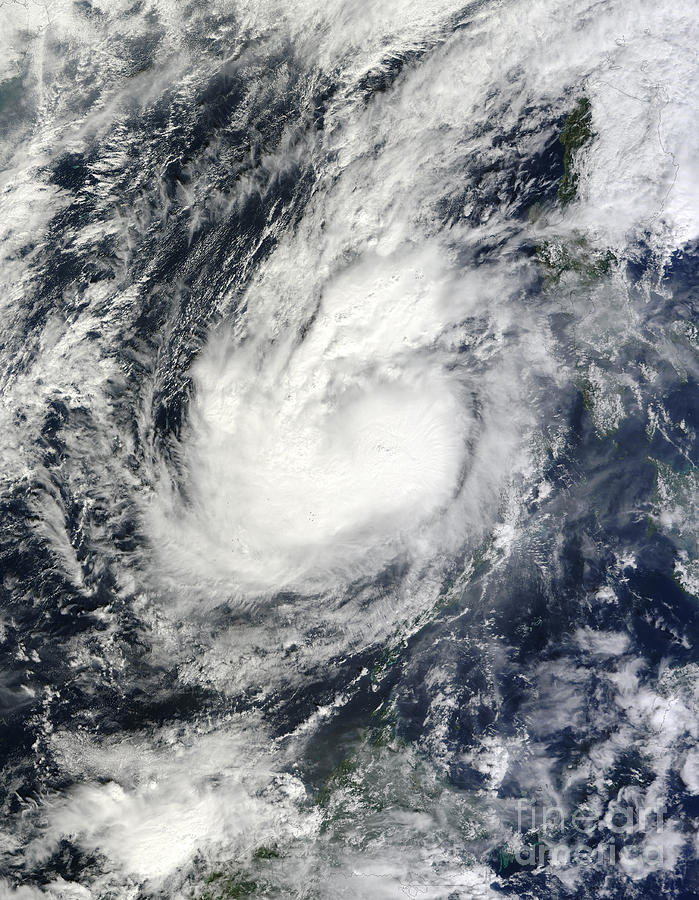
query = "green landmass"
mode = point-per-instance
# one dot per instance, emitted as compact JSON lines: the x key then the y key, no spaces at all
{"x":558,"y":258}
{"x":226,"y":886}
{"x":577,"y":131}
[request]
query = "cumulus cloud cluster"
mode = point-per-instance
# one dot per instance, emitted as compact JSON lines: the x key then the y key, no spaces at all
{"x":326,"y":439}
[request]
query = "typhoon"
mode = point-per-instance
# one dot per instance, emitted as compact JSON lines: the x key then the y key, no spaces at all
{"x":348,"y":486}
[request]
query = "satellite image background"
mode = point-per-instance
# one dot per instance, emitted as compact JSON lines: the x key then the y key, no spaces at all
{"x":348,"y":486}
